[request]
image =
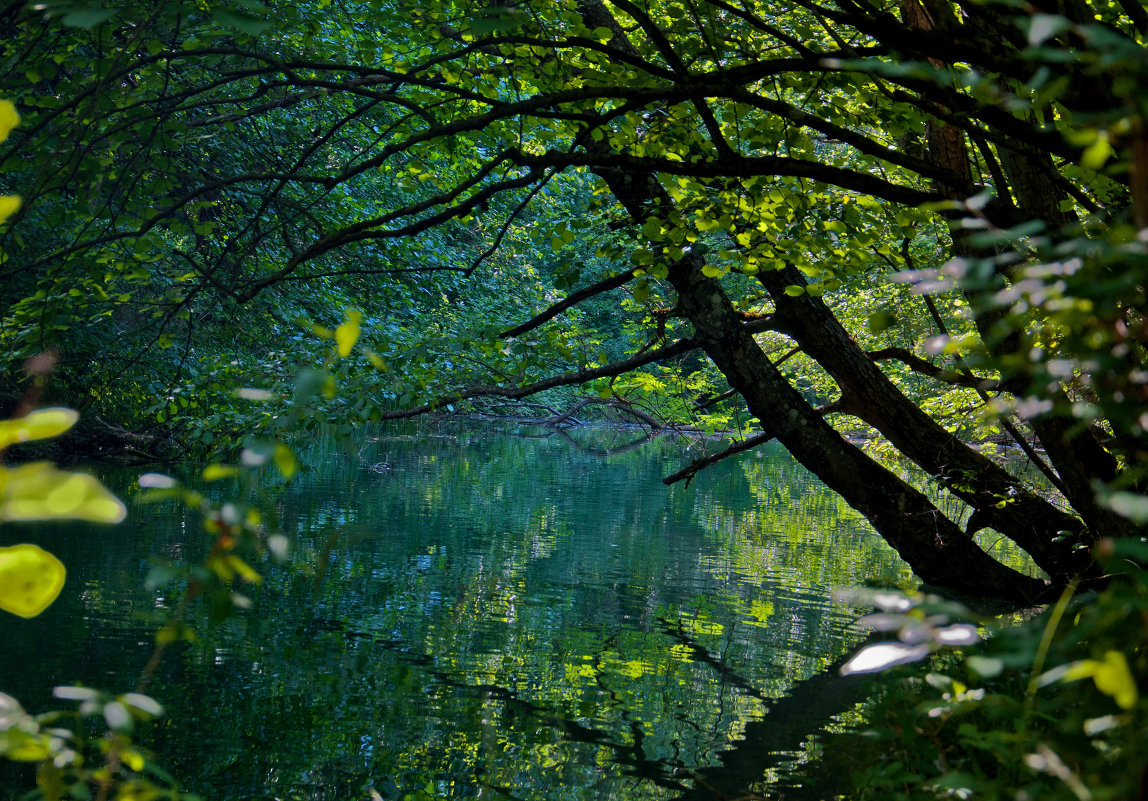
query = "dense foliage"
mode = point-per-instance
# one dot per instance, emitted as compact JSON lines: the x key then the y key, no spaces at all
{"x":918,"y":221}
{"x":206,"y":187}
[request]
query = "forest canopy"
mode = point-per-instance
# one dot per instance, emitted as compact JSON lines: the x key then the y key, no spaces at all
{"x":918,"y":221}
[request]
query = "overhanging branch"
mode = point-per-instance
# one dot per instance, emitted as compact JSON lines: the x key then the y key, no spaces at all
{"x":919,"y":365}
{"x":565,"y":380}
{"x":573,"y":299}
{"x":695,"y":467}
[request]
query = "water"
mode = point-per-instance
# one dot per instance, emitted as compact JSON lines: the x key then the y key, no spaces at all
{"x":485,"y":616}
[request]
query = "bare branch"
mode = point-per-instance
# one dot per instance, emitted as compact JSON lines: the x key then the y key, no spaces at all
{"x":919,"y":365}
{"x":739,"y":167}
{"x":566,"y":379}
{"x":688,"y":473}
{"x":573,"y":299}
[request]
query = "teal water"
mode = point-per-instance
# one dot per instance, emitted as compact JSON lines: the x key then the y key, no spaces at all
{"x":485,"y":617}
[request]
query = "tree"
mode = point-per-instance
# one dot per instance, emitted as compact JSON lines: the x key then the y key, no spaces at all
{"x":755,"y":167}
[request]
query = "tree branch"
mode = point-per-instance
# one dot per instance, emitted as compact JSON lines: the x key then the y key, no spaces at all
{"x":919,"y":365}
{"x":689,"y":472}
{"x":573,"y":299}
{"x":566,"y":379}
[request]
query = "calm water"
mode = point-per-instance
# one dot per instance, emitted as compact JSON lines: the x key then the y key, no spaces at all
{"x":492,"y":617}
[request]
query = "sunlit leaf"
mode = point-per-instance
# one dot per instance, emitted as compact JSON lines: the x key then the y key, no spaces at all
{"x":1111,"y":675}
{"x":67,"y":693}
{"x":30,"y":579}
{"x":118,"y":717}
{"x":144,"y":703}
{"x":347,"y":334}
{"x":38,"y":491}
{"x":156,"y":481}
{"x":9,"y":119}
{"x":987,"y":667}
{"x":1044,"y":26}
{"x":285,"y":460}
{"x":22,"y":746}
{"x":214,"y":472}
{"x":133,"y":759}
{"x":9,"y":205}
{"x":252,"y":394}
{"x":875,"y":658}
{"x":1096,"y":154}
{"x":40,"y":424}
{"x":958,"y":634}
{"x":1127,"y":504}
{"x":242,"y":569}
{"x":1113,"y":678}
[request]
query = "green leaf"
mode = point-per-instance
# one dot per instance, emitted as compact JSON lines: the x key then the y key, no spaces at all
{"x":1128,"y":504}
{"x":711,"y":271}
{"x":793,"y":290}
{"x":880,"y":321}
{"x":986,"y":667}
{"x":86,"y":16}
{"x":309,"y":383}
{"x":245,"y":23}
{"x":499,"y":19}
{"x":1044,"y":26}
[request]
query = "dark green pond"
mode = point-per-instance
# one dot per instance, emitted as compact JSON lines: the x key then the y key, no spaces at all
{"x":494,"y":617}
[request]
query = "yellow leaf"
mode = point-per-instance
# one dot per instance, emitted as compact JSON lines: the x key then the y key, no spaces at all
{"x":1113,"y":678}
{"x":21,"y":746}
{"x":40,"y":424}
{"x":244,"y":570}
{"x":285,"y":460}
{"x":133,"y":759}
{"x":38,"y":491}
{"x":30,"y":579}
{"x":9,"y":119}
{"x":8,"y":206}
{"x":376,"y":360}
{"x":214,"y":472}
{"x":1096,"y":154}
{"x":347,"y":334}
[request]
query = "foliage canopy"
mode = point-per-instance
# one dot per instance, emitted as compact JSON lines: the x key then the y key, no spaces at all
{"x":198,"y":178}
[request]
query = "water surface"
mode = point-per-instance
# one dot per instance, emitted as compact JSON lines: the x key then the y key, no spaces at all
{"x":478,"y":616}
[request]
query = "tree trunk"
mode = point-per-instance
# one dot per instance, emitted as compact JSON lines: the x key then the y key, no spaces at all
{"x":936,"y":549}
{"x":998,"y":499}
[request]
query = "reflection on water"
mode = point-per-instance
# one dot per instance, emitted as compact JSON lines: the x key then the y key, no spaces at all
{"x":476,"y":616}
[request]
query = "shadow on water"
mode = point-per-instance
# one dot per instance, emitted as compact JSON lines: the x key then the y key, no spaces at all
{"x":486,"y":616}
